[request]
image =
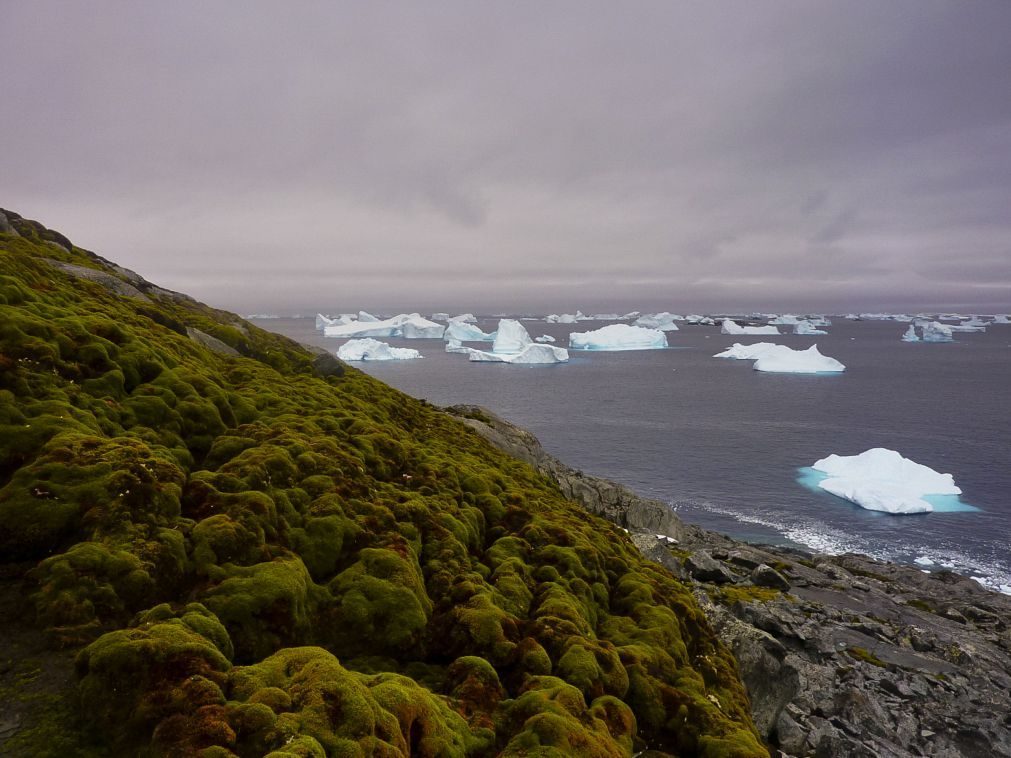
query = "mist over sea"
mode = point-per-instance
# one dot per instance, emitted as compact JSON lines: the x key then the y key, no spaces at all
{"x":725,"y":445}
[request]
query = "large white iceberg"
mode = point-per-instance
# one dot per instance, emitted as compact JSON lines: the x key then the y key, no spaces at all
{"x":732,"y":327}
{"x":374,"y":350}
{"x":663,"y":321}
{"x":455,"y":346}
{"x":531,"y":354}
{"x":935,"y":331}
{"x":882,"y":480}
{"x":747,"y":352}
{"x":510,"y":337}
{"x":784,"y":360}
{"x":618,"y":337}
{"x":366,"y":316}
{"x":461,"y":330}
{"x":910,"y":335}
{"x":807,"y":328}
{"x":408,"y":325}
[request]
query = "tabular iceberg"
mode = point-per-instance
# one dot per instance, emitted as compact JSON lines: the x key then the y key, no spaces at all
{"x":882,"y":480}
{"x":784,"y":360}
{"x":461,"y":330}
{"x":910,"y":335}
{"x":374,"y":350}
{"x":662,"y":321}
{"x":618,"y":337}
{"x":747,"y":352}
{"x":807,"y":328}
{"x":732,"y":327}
{"x":531,"y":354}
{"x":455,"y":346}
{"x":787,"y":319}
{"x":510,"y":337}
{"x":935,"y":331}
{"x":565,"y":318}
{"x":408,"y":325}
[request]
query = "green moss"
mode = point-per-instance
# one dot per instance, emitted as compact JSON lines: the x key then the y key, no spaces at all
{"x":730,"y":594}
{"x":866,"y":656}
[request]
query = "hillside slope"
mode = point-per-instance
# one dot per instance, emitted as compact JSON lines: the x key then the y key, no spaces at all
{"x":249,"y":549}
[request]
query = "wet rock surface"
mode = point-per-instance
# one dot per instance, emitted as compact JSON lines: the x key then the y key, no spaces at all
{"x":841,"y":655}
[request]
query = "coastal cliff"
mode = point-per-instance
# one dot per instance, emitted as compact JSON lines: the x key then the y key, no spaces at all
{"x":841,"y":655}
{"x":216,"y":542}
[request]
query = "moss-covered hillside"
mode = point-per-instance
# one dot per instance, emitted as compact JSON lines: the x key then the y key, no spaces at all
{"x":252,"y":551}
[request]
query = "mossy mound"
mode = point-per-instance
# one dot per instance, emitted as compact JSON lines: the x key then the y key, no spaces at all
{"x":257,"y":554}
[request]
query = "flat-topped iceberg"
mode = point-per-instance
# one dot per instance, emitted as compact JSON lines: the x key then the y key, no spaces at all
{"x":935,"y":331}
{"x":566,"y":318}
{"x":531,"y":354}
{"x":787,"y":319}
{"x":510,"y":337}
{"x":784,"y":360}
{"x":910,"y":335}
{"x":408,"y":325}
{"x":882,"y":480}
{"x":732,"y":327}
{"x":618,"y":337}
{"x":967,"y":327}
{"x":663,"y":321}
{"x":466,"y":318}
{"x":373,"y":350}
{"x":461,"y":330}
{"x":804,"y":327}
{"x":455,"y":346}
{"x":747,"y":352}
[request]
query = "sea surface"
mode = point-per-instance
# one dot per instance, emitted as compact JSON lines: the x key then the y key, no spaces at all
{"x":726,"y":445}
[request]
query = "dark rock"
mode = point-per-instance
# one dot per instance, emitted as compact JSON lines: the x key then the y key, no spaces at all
{"x":112,"y":283}
{"x":705,"y":568}
{"x":766,"y":576}
{"x":5,"y":224}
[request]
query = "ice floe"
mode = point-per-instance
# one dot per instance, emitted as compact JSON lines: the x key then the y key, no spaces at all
{"x":880,"y":479}
{"x":373,"y":350}
{"x":618,"y":337}
{"x":730,"y":326}
{"x":747,"y":352}
{"x":784,"y":360}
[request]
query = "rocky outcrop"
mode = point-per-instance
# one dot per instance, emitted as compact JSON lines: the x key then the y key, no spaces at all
{"x":112,"y":283}
{"x":210,"y":342}
{"x":841,"y":655}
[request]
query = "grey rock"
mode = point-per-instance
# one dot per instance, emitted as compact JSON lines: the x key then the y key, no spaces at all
{"x":211,"y":342}
{"x":766,"y":576}
{"x":112,"y":283}
{"x":705,"y":568}
{"x":5,"y":225}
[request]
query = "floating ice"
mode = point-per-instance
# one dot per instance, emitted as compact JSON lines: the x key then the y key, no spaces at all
{"x":807,"y":327}
{"x":967,"y":327}
{"x":440,"y":317}
{"x":366,"y":316}
{"x":467,"y":318}
{"x":784,"y":360}
{"x":787,"y":319}
{"x":910,"y":335}
{"x":747,"y":352}
{"x":605,"y":317}
{"x":663,"y":321}
{"x":732,"y":327}
{"x":544,"y":338}
{"x":618,"y":337}
{"x":694,"y":318}
{"x":935,"y":331}
{"x":565,"y":318}
{"x":374,"y":350}
{"x":882,"y":480}
{"x":409,"y":325}
{"x":460,"y":330}
{"x":510,"y":337}
{"x":455,"y":346}
{"x":1001,"y":319}
{"x":923,"y":561}
{"x":531,"y":354}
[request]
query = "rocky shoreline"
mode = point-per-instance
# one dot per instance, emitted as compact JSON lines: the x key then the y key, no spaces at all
{"x":841,"y":655}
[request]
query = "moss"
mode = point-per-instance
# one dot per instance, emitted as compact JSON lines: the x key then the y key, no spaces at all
{"x":922,"y":605}
{"x":866,"y":656}
{"x":730,"y":594}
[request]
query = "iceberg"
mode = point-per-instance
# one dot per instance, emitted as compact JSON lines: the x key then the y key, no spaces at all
{"x":374,"y":350}
{"x":1001,"y":319}
{"x":787,"y":319}
{"x":732,"y":327}
{"x":882,"y":480}
{"x":510,"y":337}
{"x":618,"y":337}
{"x":605,"y":317}
{"x":531,"y":354}
{"x":806,"y":327}
{"x":455,"y":346}
{"x":467,"y":318}
{"x":910,"y":335}
{"x":935,"y":331}
{"x":694,"y":318}
{"x":461,"y":330}
{"x":662,"y":321}
{"x":365,"y":316}
{"x":544,"y":338}
{"x":322,"y":321}
{"x":440,"y":317}
{"x":565,"y":318}
{"x":784,"y":360}
{"x":408,"y":325}
{"x":967,"y":327}
{"x":747,"y":352}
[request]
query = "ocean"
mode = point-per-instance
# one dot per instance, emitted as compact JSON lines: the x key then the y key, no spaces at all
{"x":727,"y":446}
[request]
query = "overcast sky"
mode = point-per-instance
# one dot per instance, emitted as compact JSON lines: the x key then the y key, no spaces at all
{"x":544,"y":156}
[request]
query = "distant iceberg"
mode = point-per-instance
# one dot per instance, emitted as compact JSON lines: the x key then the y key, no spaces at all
{"x":1001,"y":319}
{"x":566,"y":318}
{"x":882,"y":480}
{"x":510,"y":337}
{"x":694,"y":318}
{"x":747,"y":352}
{"x":935,"y":331}
{"x":784,"y":360}
{"x":618,"y":337}
{"x":968,"y":327}
{"x":544,"y":338}
{"x":807,"y":328}
{"x":732,"y":327}
{"x":374,"y":350}
{"x":467,"y":318}
{"x":461,"y":330}
{"x":455,"y":346}
{"x":408,"y":325}
{"x":663,"y":321}
{"x":910,"y":335}
{"x":787,"y":319}
{"x":440,"y":317}
{"x":531,"y":354}
{"x":366,"y":316}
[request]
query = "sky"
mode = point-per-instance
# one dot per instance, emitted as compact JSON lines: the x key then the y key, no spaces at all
{"x":523,"y":156}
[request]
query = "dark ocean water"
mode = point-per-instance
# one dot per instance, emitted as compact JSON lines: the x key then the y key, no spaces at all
{"x":724,"y":444}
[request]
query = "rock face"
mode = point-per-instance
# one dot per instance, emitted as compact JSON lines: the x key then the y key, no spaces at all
{"x":841,"y":655}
